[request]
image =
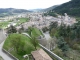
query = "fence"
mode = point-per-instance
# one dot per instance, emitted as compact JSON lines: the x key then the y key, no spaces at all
{"x":10,"y":54}
{"x":51,"y":53}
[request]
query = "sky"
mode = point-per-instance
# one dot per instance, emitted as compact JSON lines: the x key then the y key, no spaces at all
{"x":30,"y":4}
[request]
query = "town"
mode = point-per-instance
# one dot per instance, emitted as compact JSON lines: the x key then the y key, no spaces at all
{"x":33,"y":19}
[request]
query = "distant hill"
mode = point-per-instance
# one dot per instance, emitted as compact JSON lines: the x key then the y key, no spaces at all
{"x":36,"y":10}
{"x":48,"y":11}
{"x":43,"y":10}
{"x":50,"y":8}
{"x":72,"y":8}
{"x":11,"y":11}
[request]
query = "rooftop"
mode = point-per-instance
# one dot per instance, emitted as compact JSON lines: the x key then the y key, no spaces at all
{"x":40,"y":55}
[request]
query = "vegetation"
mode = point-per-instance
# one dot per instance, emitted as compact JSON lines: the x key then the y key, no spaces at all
{"x":21,"y":29}
{"x":22,"y":20}
{"x":53,"y":28}
{"x":45,"y":29}
{"x":72,"y":8}
{"x":33,"y":31}
{"x":18,"y":45}
{"x":68,"y":40}
{"x":34,"y":41}
{"x":4,"y":24}
{"x":11,"y":11}
{"x":51,"y":13}
{"x":1,"y":58}
{"x":11,"y":29}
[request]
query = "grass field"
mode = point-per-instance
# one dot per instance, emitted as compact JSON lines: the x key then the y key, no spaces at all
{"x":28,"y":47}
{"x":34,"y":31}
{"x":4,"y":24}
{"x":22,"y":20}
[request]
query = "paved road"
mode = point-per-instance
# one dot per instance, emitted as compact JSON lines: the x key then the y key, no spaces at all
{"x":47,"y":36}
{"x":2,"y":36}
{"x":2,"y":39}
{"x":4,"y":55}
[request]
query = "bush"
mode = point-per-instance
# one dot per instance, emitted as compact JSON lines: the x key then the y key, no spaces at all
{"x":76,"y":47}
{"x":58,"y":52}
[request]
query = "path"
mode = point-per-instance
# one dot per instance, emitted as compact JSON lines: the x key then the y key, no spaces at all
{"x":47,"y":36}
{"x":2,"y":39}
{"x":4,"y":55}
{"x":2,"y":36}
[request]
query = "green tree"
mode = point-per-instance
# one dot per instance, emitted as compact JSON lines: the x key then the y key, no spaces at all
{"x":53,"y":25}
{"x":45,"y":29}
{"x":34,"y":42}
{"x":62,"y":30}
{"x":29,"y":30}
{"x":21,"y":29}
{"x":33,"y":38}
{"x":18,"y":45}
{"x":11,"y":29}
{"x":53,"y":28}
{"x":62,"y":44}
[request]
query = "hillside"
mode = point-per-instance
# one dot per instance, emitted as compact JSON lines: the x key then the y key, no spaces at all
{"x":72,"y":8}
{"x":50,"y":8}
{"x":36,"y":10}
{"x":11,"y":11}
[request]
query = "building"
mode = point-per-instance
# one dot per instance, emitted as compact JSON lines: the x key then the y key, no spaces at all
{"x":40,"y":55}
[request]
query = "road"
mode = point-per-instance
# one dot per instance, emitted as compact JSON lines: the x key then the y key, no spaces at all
{"x":47,"y":36}
{"x":2,"y":39}
{"x":2,"y":36}
{"x":4,"y":55}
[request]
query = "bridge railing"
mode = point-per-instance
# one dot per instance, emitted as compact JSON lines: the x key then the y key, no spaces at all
{"x":51,"y":53}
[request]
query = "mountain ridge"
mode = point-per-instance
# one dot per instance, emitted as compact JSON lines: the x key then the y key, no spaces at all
{"x":72,"y":8}
{"x":11,"y":11}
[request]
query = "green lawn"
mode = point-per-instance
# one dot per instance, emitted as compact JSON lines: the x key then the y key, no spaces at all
{"x":4,"y":24}
{"x":22,"y":20}
{"x":35,"y":32}
{"x":28,"y":47}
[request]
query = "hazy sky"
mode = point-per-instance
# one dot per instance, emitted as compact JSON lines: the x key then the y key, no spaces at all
{"x":30,"y":4}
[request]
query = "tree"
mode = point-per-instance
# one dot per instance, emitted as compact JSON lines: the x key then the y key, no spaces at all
{"x":11,"y":29}
{"x":53,"y":28}
{"x":21,"y":29}
{"x":18,"y":45}
{"x":33,"y":38}
{"x":53,"y":25}
{"x":62,"y":44}
{"x":44,"y":29}
{"x":34,"y":42}
{"x":29,"y":30}
{"x":62,"y":30}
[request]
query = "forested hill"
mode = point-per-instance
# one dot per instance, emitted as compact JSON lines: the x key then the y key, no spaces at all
{"x":50,"y":8}
{"x":72,"y":8}
{"x":12,"y":10}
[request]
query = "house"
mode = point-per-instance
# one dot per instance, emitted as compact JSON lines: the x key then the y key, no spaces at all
{"x":40,"y":55}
